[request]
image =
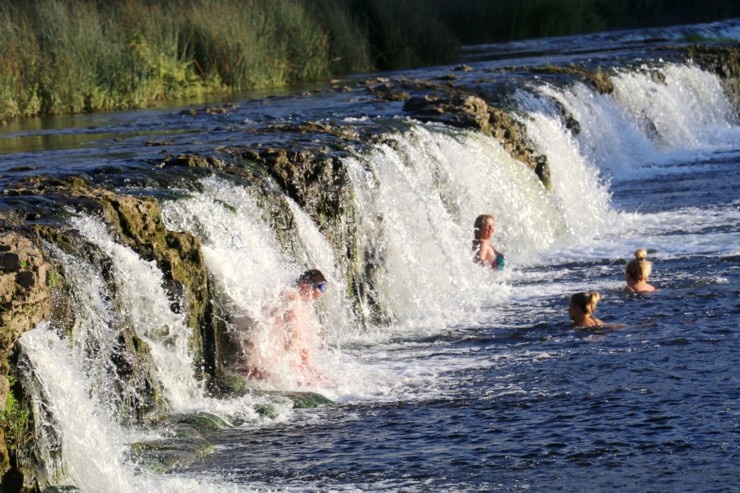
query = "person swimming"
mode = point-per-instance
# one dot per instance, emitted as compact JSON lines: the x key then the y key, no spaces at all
{"x":484,"y":252}
{"x":637,"y":273}
{"x":581,"y":310}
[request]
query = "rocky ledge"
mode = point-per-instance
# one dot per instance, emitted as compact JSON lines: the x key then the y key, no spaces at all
{"x":303,"y":164}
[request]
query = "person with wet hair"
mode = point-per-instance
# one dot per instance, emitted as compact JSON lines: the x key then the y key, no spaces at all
{"x":311,"y":285}
{"x":294,"y":332}
{"x":582,"y":308}
{"x":637,"y":273}
{"x":483,"y":251}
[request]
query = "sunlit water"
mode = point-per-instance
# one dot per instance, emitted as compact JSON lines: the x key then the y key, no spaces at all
{"x":480,"y":383}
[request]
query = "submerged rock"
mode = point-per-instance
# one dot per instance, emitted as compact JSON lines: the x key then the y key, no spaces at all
{"x":307,"y":400}
{"x":166,"y":454}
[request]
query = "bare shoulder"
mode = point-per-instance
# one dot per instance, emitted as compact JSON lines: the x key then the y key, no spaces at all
{"x":487,"y":253}
{"x":290,"y":294}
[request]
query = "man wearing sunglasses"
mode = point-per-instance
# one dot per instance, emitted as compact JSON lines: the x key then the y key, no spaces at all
{"x":311,"y":285}
{"x":285,"y":354}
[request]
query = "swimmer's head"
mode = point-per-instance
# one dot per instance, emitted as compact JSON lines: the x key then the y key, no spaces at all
{"x":314,"y":279}
{"x":639,"y":269}
{"x":584,"y":302}
{"x":481,"y":222}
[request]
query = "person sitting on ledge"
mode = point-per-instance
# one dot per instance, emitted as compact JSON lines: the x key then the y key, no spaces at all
{"x":637,"y":273}
{"x":582,"y":308}
{"x":484,"y":252}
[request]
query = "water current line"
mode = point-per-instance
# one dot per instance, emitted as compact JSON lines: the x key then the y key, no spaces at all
{"x":145,"y":306}
{"x":416,"y":199}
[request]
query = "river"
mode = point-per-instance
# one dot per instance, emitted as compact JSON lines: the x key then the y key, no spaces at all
{"x":477,"y":382}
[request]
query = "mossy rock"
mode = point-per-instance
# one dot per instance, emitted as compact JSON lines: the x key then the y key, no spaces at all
{"x":167,"y":454}
{"x":300,"y":400}
{"x":307,"y":400}
{"x":204,"y":422}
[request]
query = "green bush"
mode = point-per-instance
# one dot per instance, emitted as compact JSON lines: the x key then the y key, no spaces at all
{"x":15,"y":421}
{"x":70,"y":56}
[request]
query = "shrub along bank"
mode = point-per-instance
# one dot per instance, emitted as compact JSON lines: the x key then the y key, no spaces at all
{"x":72,"y":56}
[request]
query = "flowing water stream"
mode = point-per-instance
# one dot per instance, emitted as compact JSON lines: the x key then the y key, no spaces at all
{"x":478,"y":383}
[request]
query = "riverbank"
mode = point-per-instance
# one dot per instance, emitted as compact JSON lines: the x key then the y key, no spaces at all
{"x":76,"y":57}
{"x":151,"y":245}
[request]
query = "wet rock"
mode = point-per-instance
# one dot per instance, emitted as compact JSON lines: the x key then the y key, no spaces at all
{"x":472,"y":112}
{"x":210,"y":110}
{"x":203,"y":422}
{"x":343,"y":132}
{"x":4,"y":389}
{"x":723,"y":60}
{"x":135,"y":222}
{"x":12,"y":481}
{"x":25,"y":298}
{"x":192,"y":161}
{"x":388,"y":92}
{"x":464,"y":111}
{"x":10,"y":262}
{"x":597,"y":79}
{"x":307,"y":400}
{"x":165,"y":455}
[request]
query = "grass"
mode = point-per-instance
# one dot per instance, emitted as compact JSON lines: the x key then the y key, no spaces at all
{"x":72,"y":56}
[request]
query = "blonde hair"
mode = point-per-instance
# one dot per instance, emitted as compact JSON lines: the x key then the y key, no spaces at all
{"x":640,"y":268}
{"x":586,"y":302}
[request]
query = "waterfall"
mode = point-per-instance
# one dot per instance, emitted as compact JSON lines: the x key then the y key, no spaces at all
{"x":94,"y":447}
{"x":651,"y":116}
{"x":415,"y":195}
{"x":144,"y":305}
{"x":416,"y":199}
{"x":684,"y":109}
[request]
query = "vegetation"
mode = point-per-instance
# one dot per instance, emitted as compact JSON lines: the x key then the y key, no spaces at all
{"x":15,"y":421}
{"x":481,"y":21}
{"x":70,"y":56}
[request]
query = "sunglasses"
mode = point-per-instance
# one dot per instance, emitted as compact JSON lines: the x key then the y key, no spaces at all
{"x":321,"y":287}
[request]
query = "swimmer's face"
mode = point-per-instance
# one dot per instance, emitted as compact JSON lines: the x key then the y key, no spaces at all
{"x":488,"y":227}
{"x":319,"y":290}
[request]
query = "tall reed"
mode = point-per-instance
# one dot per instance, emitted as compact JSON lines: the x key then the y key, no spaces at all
{"x":66,"y":57}
{"x":69,"y":56}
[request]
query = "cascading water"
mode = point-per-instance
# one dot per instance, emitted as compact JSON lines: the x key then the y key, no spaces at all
{"x":415,"y":197}
{"x":144,"y":305}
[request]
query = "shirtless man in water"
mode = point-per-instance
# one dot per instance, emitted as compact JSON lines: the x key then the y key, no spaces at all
{"x":293,"y":334}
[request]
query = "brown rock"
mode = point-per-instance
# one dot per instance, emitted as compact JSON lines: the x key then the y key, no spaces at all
{"x":25,"y":299}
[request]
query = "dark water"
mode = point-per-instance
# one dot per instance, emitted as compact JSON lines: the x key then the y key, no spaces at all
{"x":650,"y":407}
{"x":510,"y":398}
